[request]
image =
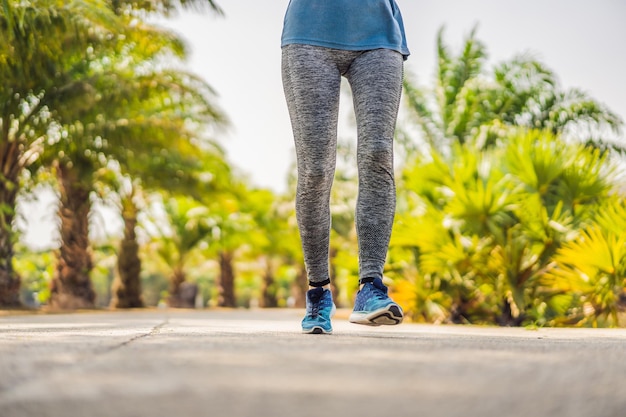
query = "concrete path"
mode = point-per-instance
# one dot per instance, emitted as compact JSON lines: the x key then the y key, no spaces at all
{"x":256,"y":363}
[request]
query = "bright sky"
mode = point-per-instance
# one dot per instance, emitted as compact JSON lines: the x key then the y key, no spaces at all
{"x":239,"y":55}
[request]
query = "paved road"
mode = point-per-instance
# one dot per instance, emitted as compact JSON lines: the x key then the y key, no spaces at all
{"x":256,"y":363}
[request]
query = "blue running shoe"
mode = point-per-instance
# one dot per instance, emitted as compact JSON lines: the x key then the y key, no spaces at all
{"x":319,"y":309}
{"x":373,"y":306}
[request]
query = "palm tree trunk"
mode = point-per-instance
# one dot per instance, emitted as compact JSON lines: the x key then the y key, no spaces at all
{"x":71,"y":287}
{"x":269,"y":293}
{"x":9,"y":169}
{"x":127,"y":285}
{"x":299,"y":288}
{"x":176,"y":300}
{"x":9,"y":279}
{"x":333,"y":276}
{"x":506,"y":317}
{"x":227,"y":280}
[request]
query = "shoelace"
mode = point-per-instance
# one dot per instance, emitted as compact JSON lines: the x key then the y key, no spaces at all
{"x":315,"y":310}
{"x":379,"y":291}
{"x":316,"y":302}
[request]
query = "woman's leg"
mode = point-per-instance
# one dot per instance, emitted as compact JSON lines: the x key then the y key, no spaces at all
{"x":312,"y":79}
{"x":376,"y":81}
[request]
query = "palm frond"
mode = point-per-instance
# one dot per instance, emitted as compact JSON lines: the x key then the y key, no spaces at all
{"x":425,"y":118}
{"x":455,"y":72}
{"x":165,"y":7}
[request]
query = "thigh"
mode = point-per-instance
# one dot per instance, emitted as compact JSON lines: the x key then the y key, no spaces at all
{"x":312,"y":81}
{"x":376,"y":81}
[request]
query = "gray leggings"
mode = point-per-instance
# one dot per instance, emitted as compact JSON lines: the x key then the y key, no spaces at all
{"x":312,"y":79}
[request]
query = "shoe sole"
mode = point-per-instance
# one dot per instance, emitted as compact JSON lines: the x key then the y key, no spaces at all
{"x":389,"y":316}
{"x":316,"y":330}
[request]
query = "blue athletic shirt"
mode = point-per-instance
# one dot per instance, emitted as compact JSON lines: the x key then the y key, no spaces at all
{"x":354,"y":25}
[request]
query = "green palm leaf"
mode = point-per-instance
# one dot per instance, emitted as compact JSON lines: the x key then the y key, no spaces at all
{"x":593,"y":265}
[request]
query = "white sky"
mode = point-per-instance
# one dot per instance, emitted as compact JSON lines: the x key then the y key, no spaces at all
{"x":582,"y":41}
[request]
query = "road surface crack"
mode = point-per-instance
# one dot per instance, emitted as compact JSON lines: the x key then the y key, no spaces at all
{"x":155,"y":330}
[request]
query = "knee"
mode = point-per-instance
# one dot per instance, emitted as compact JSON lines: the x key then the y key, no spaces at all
{"x":378,"y":153}
{"x":315,"y":176}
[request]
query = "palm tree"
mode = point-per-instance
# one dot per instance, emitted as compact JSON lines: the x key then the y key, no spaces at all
{"x":127,"y":285}
{"x":588,"y":273}
{"x":46,"y":55}
{"x":176,"y":168}
{"x":71,"y":287}
{"x":195,"y":173}
{"x":126,"y":288}
{"x":272,"y":238}
{"x":163,"y":7}
{"x":232,"y":227}
{"x":470,"y":105}
{"x":266,"y":239}
{"x":487,"y":207}
{"x":39,"y":47}
{"x":132,"y":118}
{"x":486,"y":227}
{"x":189,"y":224}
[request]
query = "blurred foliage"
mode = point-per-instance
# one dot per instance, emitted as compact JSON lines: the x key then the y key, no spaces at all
{"x":36,"y":270}
{"x":485,"y":234}
{"x":509,"y":198}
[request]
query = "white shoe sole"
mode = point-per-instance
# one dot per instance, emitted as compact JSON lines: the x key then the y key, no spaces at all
{"x":316,"y":330}
{"x":390,"y":315}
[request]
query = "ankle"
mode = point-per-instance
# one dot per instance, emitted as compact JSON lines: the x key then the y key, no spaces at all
{"x":326,"y":287}
{"x":364,"y":281}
